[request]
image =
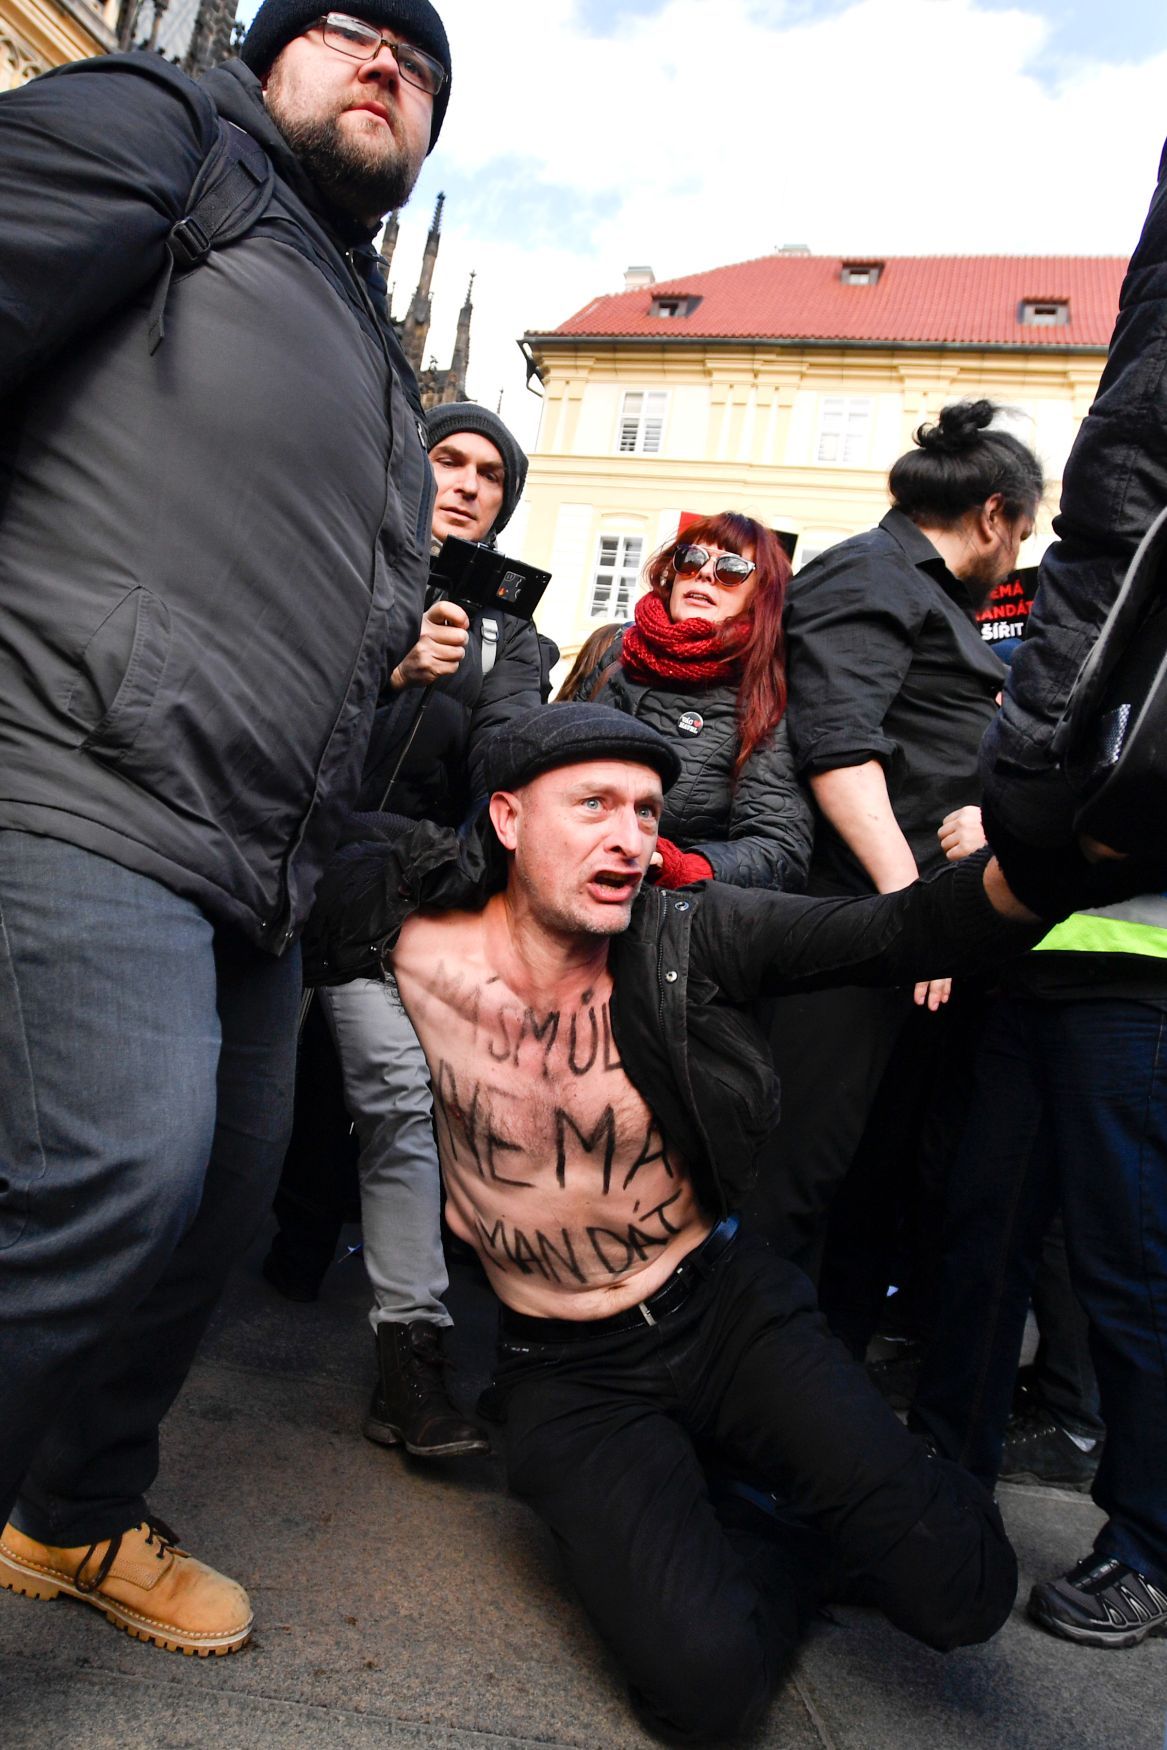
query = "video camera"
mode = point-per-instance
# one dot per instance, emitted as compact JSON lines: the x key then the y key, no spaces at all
{"x":478,"y":577}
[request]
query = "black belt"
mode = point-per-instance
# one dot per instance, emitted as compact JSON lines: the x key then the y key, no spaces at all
{"x":673,"y":1292}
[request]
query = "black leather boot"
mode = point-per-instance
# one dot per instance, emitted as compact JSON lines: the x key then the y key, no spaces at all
{"x":410,"y":1406}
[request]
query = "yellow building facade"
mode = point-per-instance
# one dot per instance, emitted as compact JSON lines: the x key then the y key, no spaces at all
{"x":38,"y":34}
{"x":637,"y":430}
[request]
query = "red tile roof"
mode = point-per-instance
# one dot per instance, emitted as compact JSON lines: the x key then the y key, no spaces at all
{"x":970,"y":300}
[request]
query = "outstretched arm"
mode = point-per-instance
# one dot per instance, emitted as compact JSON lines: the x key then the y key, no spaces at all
{"x":963,"y":920}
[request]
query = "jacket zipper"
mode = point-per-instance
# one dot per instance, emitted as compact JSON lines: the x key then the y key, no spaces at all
{"x":693,"y":1107}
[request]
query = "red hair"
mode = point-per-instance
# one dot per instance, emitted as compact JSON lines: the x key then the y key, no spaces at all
{"x":761,"y":697}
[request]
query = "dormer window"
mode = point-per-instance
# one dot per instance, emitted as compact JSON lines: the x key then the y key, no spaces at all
{"x":1045,"y":312}
{"x":860,"y":273}
{"x":673,"y":304}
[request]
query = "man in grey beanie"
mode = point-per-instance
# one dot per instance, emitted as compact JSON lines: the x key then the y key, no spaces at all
{"x":457,"y":431}
{"x":192,"y":639}
{"x":456,"y":691}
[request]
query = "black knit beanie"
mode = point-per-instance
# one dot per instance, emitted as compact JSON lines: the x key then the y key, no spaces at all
{"x":278,"y":21}
{"x":442,"y":422}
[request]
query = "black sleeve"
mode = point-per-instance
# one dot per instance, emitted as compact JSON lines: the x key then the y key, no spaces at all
{"x":96,"y":161}
{"x":770,"y":823}
{"x":1115,"y":484}
{"x":514,"y":685}
{"x":851,"y":628}
{"x":767,"y":944}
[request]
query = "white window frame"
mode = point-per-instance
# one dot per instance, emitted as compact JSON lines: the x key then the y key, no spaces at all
{"x":642,"y":422}
{"x":615,"y":576}
{"x":846,"y":424}
{"x":1045,"y":312}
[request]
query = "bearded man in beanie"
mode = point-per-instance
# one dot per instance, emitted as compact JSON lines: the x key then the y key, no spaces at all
{"x":214,"y":519}
{"x":456,"y":688}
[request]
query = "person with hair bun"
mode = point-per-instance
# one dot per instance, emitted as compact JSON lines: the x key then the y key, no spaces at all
{"x":891,"y":690}
{"x":703,"y":663}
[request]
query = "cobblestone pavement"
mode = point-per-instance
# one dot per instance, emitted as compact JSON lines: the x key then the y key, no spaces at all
{"x":405,"y":1605}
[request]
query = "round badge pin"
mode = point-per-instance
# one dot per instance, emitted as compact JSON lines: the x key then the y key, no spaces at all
{"x":691,"y":723}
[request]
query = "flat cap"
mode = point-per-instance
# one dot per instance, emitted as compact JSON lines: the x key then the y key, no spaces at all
{"x":565,"y":735}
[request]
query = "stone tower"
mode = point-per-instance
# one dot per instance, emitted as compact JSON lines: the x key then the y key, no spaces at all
{"x":195,"y":34}
{"x":454,"y":387}
{"x":416,"y":326}
{"x":389,"y":243}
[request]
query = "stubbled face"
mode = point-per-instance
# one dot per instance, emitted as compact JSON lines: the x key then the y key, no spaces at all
{"x":703,"y":598}
{"x":581,"y":837}
{"x":996,"y":556}
{"x":358,"y":129}
{"x":471,"y":479}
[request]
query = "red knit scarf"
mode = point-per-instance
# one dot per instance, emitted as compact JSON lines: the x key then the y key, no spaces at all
{"x":692,"y":652}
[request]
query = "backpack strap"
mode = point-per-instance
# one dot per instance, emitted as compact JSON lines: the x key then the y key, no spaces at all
{"x":489,"y":629}
{"x":231,"y":190}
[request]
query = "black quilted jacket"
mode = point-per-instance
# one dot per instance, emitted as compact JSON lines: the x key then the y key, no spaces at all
{"x":756,"y":832}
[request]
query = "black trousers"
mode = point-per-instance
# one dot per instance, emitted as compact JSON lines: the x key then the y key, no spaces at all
{"x":609,"y":1436}
{"x":852,"y":1186}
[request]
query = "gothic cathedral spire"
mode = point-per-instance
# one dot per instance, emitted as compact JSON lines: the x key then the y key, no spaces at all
{"x":416,"y":326}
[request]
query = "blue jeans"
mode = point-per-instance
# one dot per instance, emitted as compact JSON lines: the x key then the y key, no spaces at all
{"x":149,"y":1060}
{"x":1071,"y":1103}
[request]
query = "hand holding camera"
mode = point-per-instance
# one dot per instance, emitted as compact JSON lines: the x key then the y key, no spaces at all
{"x":441,"y":645}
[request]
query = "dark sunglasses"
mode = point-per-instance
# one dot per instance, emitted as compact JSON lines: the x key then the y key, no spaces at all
{"x":728,"y":568}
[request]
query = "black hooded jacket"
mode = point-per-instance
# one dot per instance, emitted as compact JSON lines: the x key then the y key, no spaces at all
{"x":1114,"y":486}
{"x":210,"y":553}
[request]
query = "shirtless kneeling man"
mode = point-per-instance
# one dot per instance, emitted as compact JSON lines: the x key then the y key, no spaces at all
{"x":599,"y":1092}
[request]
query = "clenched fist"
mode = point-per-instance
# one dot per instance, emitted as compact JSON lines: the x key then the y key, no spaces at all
{"x":445,"y":633}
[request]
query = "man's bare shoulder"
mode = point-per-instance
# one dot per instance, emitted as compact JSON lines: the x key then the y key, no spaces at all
{"x":428,"y":936}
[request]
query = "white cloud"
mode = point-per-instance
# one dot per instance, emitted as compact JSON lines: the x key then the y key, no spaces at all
{"x":711,"y":134}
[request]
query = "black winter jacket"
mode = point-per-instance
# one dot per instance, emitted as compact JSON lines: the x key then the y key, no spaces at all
{"x":441,"y":768}
{"x":755,"y":832}
{"x":208,"y":553}
{"x":685,"y":971}
{"x":1115,"y":484}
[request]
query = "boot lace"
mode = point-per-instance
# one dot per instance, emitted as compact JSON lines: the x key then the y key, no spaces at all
{"x":158,"y":1534}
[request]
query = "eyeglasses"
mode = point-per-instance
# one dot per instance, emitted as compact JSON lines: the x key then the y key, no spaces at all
{"x":361,"y":41}
{"x":728,"y":568}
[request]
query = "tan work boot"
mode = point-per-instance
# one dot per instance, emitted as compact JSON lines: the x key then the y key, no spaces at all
{"x":142,"y":1581}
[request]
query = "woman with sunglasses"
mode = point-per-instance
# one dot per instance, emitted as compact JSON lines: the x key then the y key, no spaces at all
{"x":703,"y":663}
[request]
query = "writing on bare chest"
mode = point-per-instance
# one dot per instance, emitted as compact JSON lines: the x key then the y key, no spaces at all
{"x":571,"y":1041}
{"x":494,"y":1129}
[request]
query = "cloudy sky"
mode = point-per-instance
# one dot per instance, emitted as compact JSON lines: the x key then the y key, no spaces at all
{"x":585,"y":135}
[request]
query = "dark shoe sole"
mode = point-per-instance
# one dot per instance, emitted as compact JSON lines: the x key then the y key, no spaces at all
{"x":1091,"y":1637}
{"x":1081,"y":1485}
{"x":383,"y":1434}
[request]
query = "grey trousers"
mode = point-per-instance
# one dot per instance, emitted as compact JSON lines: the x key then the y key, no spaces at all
{"x":387,"y":1092}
